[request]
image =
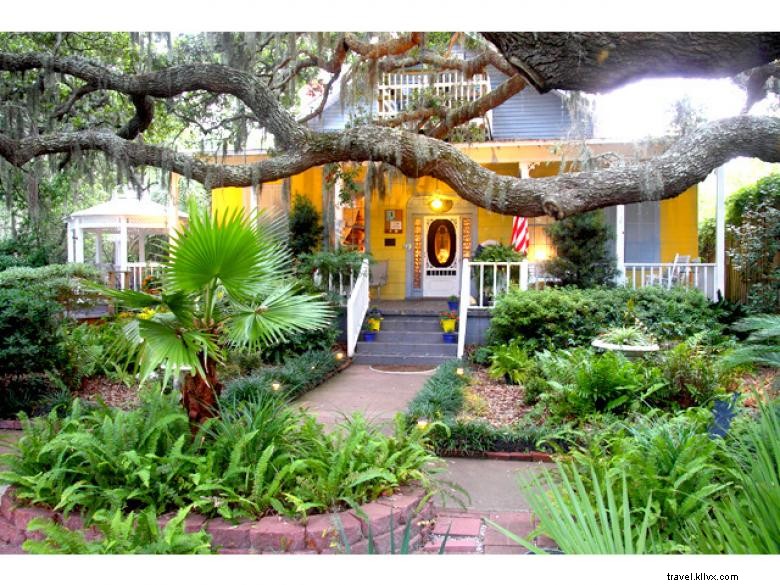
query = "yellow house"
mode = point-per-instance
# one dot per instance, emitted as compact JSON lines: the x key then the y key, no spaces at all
{"x":423,"y":230}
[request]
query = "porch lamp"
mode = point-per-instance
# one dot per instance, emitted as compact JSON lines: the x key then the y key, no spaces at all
{"x":436,"y":203}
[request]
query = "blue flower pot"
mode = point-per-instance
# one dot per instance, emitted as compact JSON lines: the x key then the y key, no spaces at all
{"x":369,"y":335}
{"x":453,"y":305}
{"x":450,"y":337}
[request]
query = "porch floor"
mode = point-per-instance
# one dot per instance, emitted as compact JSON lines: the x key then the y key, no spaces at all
{"x":411,"y":306}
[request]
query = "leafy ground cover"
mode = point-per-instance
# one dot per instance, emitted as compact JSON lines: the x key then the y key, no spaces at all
{"x":260,"y":456}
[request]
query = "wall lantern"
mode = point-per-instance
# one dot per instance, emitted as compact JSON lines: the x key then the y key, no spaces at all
{"x":439,"y":204}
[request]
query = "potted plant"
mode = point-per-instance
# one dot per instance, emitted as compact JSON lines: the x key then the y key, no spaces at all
{"x":448,"y":320}
{"x":374,"y":319}
{"x":632,"y":342}
{"x":449,"y":324}
{"x":368,"y":333}
{"x":452,"y":302}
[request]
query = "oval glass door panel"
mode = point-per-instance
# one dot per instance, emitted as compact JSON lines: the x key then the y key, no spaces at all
{"x":441,"y":243}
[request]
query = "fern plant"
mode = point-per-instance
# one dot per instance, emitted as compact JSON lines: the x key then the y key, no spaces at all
{"x":134,"y":533}
{"x":510,"y":362}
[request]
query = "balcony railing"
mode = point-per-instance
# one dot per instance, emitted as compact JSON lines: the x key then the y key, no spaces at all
{"x":399,"y":92}
{"x":132,"y":277}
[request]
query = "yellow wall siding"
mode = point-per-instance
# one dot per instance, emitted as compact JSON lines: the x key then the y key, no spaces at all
{"x":495,"y":226}
{"x":397,"y":198}
{"x":308,"y":183}
{"x":228,"y":199}
{"x":679,"y":230}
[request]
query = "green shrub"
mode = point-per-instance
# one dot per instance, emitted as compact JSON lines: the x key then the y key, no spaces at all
{"x":29,"y":347}
{"x":567,"y":317}
{"x":99,"y":349}
{"x":693,"y":374}
{"x":67,"y":284}
{"x":497,"y":253}
{"x":583,"y":258}
{"x":295,"y":377}
{"x":304,"y":225}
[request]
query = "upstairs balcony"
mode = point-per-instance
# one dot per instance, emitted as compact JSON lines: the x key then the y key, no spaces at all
{"x":410,"y":90}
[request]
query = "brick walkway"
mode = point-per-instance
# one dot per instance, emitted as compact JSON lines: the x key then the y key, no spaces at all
{"x":470,"y":534}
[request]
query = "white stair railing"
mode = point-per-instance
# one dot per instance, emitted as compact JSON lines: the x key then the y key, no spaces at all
{"x":500,"y":277}
{"x":357,"y":307}
{"x":465,"y":301}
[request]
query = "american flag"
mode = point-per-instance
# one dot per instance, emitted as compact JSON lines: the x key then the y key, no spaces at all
{"x":520,"y":234}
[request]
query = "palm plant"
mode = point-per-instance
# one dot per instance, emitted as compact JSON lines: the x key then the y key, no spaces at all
{"x":227,"y":284}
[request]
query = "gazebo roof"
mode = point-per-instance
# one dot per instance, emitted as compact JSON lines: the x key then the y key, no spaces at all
{"x":128,"y":206}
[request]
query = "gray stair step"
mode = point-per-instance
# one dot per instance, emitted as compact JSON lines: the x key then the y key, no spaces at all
{"x":382,"y":348}
{"x":386,"y":360}
{"x":393,"y":336}
{"x":430,"y":324}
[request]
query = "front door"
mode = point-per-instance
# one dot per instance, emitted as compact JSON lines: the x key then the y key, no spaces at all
{"x":441,"y":256}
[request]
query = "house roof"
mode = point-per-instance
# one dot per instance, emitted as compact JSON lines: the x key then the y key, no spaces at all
{"x":126,"y":205}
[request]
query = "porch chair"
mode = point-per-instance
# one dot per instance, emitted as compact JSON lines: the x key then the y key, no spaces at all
{"x":673,"y":276}
{"x":378,"y":277}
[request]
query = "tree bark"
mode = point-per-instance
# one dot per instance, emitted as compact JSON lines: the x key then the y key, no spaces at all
{"x":199,"y":396}
{"x":591,"y":61}
{"x":601,"y":61}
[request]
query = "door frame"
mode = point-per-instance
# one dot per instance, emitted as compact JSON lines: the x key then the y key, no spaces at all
{"x":418,"y":207}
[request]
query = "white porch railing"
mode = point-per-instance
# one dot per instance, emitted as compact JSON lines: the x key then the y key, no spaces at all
{"x":482,"y":282}
{"x":669,"y":274}
{"x":489,"y":279}
{"x":133,"y":275}
{"x":357,"y":307}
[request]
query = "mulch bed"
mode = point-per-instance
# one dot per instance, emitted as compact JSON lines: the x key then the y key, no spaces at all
{"x":505,"y":402}
{"x":111,"y":393}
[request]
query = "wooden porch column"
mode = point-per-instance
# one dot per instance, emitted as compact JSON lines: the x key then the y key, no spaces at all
{"x":720,"y":232}
{"x":141,"y":246}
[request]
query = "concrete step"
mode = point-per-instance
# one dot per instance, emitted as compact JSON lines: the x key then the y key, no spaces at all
{"x":393,"y":336}
{"x":406,"y":349}
{"x":430,"y":324}
{"x":396,"y":360}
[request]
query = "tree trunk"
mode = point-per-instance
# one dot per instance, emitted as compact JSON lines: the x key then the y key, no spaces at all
{"x":199,"y":396}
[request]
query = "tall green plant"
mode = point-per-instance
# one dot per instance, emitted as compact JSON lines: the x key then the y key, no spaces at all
{"x":227,"y":284}
{"x":583,"y":259}
{"x":586,"y":520}
{"x":748,"y":520}
{"x":305,"y":226}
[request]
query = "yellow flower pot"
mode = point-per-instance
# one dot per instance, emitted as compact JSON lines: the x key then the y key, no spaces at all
{"x":448,"y":325}
{"x":374,"y":323}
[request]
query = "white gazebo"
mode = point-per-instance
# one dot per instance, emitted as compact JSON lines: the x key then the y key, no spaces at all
{"x":126,"y":220}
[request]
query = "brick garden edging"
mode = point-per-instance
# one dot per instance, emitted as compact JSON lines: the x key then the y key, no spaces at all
{"x":7,"y":424}
{"x":273,"y":534}
{"x":531,"y":456}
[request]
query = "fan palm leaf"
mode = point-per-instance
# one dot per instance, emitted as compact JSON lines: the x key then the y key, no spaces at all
{"x":228,"y":250}
{"x":282,"y":312}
